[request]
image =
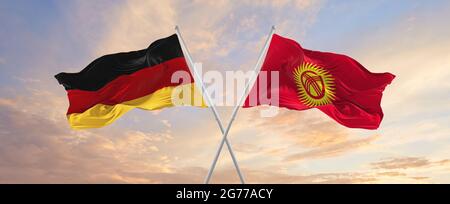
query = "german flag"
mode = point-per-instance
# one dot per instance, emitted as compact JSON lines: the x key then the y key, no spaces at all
{"x":113,"y":84}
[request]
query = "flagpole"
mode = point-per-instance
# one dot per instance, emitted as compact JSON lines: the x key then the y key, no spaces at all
{"x":256,"y":70}
{"x":199,"y":83}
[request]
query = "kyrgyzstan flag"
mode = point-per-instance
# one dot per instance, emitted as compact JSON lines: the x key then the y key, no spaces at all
{"x":336,"y":84}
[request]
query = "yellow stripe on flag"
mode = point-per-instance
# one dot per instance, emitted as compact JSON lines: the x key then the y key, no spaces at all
{"x":101,"y":115}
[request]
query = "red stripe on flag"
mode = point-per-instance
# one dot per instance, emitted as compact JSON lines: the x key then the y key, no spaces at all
{"x":128,"y":87}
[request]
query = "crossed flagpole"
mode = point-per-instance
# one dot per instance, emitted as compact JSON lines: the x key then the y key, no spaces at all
{"x":199,"y":83}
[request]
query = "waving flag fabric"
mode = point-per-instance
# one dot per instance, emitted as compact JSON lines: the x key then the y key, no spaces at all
{"x":336,"y":84}
{"x":114,"y":84}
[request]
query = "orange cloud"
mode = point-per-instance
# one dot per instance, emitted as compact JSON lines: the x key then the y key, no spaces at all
{"x":391,"y":174}
{"x":407,"y":163}
{"x":261,"y":176}
{"x":332,"y":150}
{"x":311,"y":130}
{"x":36,"y":148}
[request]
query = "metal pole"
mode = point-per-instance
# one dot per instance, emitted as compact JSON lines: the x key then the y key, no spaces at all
{"x":199,"y":83}
{"x":241,"y":101}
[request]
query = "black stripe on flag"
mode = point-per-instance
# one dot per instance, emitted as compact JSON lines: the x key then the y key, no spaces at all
{"x":107,"y":68}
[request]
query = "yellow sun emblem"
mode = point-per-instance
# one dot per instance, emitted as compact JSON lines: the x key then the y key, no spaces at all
{"x":315,"y":85}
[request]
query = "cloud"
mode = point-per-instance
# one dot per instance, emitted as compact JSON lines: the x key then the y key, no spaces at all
{"x":134,"y":24}
{"x":407,"y":163}
{"x":300,"y":5}
{"x":262,"y":176}
{"x":26,"y":80}
{"x":420,"y":177}
{"x":307,"y":129}
{"x":246,"y":148}
{"x":333,"y":150}
{"x":166,"y":123}
{"x":36,"y":148}
{"x":310,"y":131}
{"x":228,"y":175}
{"x":391,"y":174}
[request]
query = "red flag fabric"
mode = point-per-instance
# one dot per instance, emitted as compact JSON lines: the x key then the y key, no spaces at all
{"x":336,"y":84}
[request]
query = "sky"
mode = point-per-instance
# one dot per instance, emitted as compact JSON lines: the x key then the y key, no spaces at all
{"x":409,"y":38}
